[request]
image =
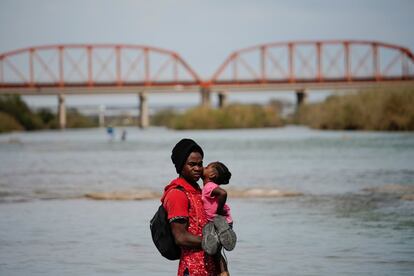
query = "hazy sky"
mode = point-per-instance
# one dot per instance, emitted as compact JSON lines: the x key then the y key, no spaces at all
{"x":204,"y":33}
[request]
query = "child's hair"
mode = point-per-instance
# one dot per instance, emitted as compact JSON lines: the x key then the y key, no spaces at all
{"x":223,"y":173}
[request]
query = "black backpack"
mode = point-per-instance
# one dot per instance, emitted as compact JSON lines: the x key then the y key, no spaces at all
{"x":162,"y":235}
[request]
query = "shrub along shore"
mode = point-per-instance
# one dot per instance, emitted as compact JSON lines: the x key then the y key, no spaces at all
{"x":387,"y":109}
{"x":231,"y":116}
{"x":15,"y":115}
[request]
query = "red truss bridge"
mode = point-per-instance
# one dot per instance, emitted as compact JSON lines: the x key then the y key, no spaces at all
{"x":315,"y":64}
{"x":98,"y":68}
{"x":111,"y":68}
{"x":275,"y":66}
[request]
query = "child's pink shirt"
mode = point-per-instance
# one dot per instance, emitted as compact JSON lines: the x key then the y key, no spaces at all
{"x":210,"y":203}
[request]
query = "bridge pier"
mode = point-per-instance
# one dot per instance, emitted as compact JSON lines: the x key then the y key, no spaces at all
{"x":102,"y":115}
{"x":143,"y":110}
{"x":300,"y":98}
{"x":205,"y":97}
{"x":62,"y":111}
{"x":222,"y":99}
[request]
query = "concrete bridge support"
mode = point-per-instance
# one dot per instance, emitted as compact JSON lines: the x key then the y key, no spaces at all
{"x":143,"y":111}
{"x":222,"y":99}
{"x":62,"y":111}
{"x":102,"y":115}
{"x":300,"y":98}
{"x":205,"y":97}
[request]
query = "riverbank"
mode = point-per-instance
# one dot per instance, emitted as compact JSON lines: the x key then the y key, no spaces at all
{"x":387,"y":109}
{"x":15,"y":115}
{"x":231,"y":116}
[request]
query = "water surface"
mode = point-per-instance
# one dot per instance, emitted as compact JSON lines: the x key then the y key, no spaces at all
{"x":354,"y":215}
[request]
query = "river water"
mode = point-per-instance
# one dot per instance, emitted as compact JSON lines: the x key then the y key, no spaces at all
{"x":304,"y":202}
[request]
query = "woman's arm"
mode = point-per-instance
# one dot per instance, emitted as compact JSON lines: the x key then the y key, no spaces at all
{"x":221,"y":195}
{"x":182,"y":236}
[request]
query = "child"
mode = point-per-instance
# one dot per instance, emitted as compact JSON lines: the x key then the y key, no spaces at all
{"x":219,"y":229}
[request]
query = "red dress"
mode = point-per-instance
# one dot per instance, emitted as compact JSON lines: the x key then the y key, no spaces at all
{"x":189,"y":205}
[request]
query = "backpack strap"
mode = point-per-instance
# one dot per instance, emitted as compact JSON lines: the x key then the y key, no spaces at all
{"x":180,"y":188}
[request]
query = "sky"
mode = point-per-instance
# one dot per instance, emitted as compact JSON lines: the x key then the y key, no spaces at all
{"x":204,"y":33}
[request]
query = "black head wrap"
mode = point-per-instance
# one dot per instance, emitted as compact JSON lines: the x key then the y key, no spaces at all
{"x":182,"y":150}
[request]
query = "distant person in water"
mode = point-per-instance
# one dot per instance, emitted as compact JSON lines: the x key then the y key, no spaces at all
{"x":111,"y":132}
{"x":219,"y":231}
{"x":123,"y":135}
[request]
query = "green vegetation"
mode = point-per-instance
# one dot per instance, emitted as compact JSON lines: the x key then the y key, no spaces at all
{"x":48,"y":118}
{"x":232,"y":116}
{"x":164,"y":117}
{"x":16,"y":108}
{"x":375,"y":109}
{"x":15,"y":115}
{"x":76,"y":120}
{"x":8,"y":123}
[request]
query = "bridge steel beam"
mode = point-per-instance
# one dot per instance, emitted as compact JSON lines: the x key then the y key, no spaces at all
{"x":309,"y":86}
{"x":62,"y":111}
{"x":226,"y":86}
{"x":143,"y":110}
